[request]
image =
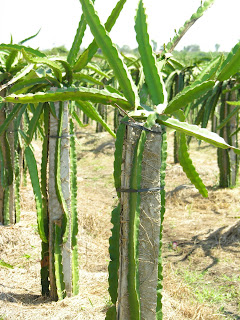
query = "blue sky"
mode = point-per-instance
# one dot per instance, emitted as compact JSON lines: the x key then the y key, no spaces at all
{"x":58,"y":20}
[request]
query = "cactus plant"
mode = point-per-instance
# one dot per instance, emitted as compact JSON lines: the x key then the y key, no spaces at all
{"x":129,"y":223}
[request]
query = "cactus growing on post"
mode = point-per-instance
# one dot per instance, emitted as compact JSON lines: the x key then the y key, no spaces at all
{"x":59,"y":203}
{"x":13,"y":69}
{"x":74,"y":220}
{"x":7,"y":184}
{"x":131,"y":272}
{"x":57,"y":228}
{"x":137,"y":219}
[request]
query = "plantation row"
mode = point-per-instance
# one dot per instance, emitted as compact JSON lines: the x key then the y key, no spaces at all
{"x":42,"y":96}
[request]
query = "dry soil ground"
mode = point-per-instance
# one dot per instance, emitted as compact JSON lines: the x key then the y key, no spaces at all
{"x":201,"y":265}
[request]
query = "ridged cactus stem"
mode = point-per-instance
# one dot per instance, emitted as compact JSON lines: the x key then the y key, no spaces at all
{"x":10,"y":136}
{"x":130,"y":141}
{"x":18,"y":152}
{"x":44,"y":172}
{"x":7,"y":185}
{"x":2,"y":119}
{"x":74,"y":212}
{"x":59,"y":203}
{"x":144,"y":258}
{"x":228,"y":161}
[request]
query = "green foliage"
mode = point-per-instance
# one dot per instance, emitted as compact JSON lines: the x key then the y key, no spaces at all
{"x":231,"y":65}
{"x":111,"y":53}
{"x":224,"y":168}
{"x":81,"y":61}
{"x":223,"y":69}
{"x":188,"y":167}
{"x":86,"y":78}
{"x":6,"y":216}
{"x":56,"y":51}
{"x":187,"y":25}
{"x":58,"y":260}
{"x":134,"y":202}
{"x":19,"y":75}
{"x":74,"y":213}
{"x":17,"y":185}
{"x":207,"y":291}
{"x":92,"y":113}
{"x":58,"y":185}
{"x":45,"y":269}
{"x":6,"y":168}
{"x":227,"y":162}
{"x":45,"y":246}
{"x":45,"y":61}
{"x":150,"y":69}
{"x":10,"y":60}
{"x":10,"y":117}
{"x":29,"y":38}
{"x":188,"y":95}
{"x":115,"y":220}
{"x":88,"y":54}
{"x":9,"y":163}
{"x":134,"y":212}
{"x":19,"y":48}
{"x":76,"y":117}
{"x":74,"y":94}
{"x":234,"y":103}
{"x":32,"y":167}
{"x":3,"y":171}
{"x":77,"y":41}
{"x":114,"y":255}
{"x":229,"y":116}
{"x":210,"y":104}
{"x":118,"y":155}
{"x":209,"y":72}
{"x":159,"y":314}
{"x":111,"y":313}
{"x":28,"y":79}
{"x":5,"y":264}
{"x":34,"y":122}
{"x":44,"y":166}
{"x":199,"y":133}
{"x":67,"y":79}
{"x":25,"y":85}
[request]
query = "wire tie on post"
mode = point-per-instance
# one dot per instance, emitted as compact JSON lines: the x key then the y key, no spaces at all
{"x":140,"y":190}
{"x":130,"y":124}
{"x":60,"y":137}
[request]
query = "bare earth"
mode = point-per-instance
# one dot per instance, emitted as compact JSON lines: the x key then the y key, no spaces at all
{"x":201,"y":263}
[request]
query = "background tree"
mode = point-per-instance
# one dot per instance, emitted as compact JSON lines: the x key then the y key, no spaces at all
{"x":217,"y":46}
{"x":192,"y":48}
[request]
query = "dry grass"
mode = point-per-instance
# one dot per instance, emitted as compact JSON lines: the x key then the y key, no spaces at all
{"x":178,"y":300}
{"x":193,"y":223}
